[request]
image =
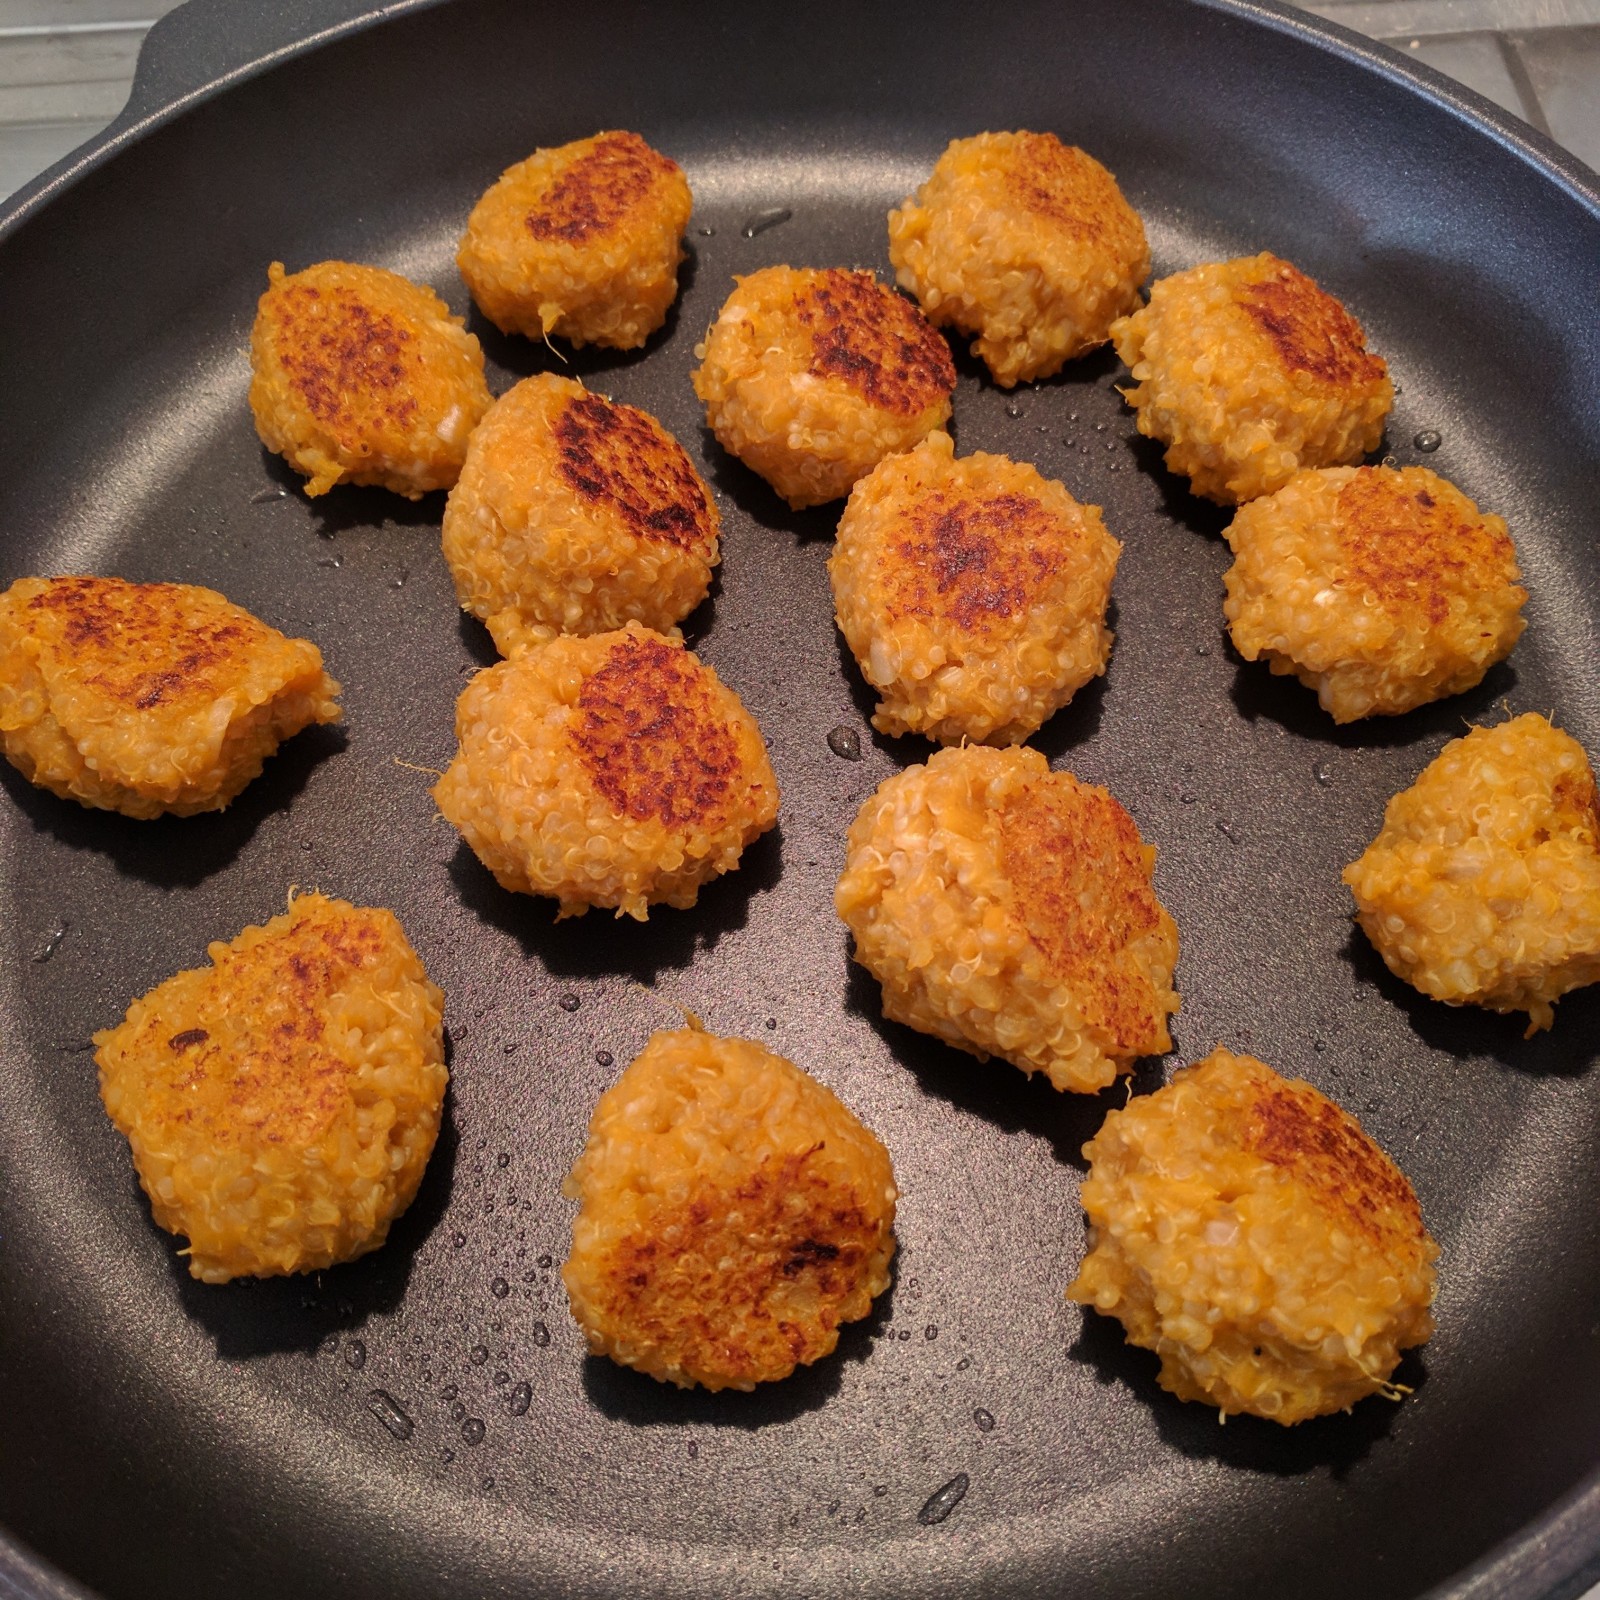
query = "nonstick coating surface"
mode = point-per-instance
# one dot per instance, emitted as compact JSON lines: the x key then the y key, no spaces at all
{"x":165,"y":1438}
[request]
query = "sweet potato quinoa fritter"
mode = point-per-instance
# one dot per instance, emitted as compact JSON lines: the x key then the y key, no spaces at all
{"x":282,"y":1103}
{"x":1483,"y":886}
{"x":1381,"y":590}
{"x":1009,"y":910}
{"x":613,"y":771}
{"x":1244,"y":1228}
{"x":734,"y":1214}
{"x":360,"y":376}
{"x":1024,"y":242}
{"x":972,"y":593}
{"x":575,"y":515}
{"x":147,"y":698}
{"x":1248,"y":371}
{"x":582,"y":241}
{"x":811,"y":378}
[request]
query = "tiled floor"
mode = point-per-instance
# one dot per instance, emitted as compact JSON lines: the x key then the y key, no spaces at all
{"x":65,"y":65}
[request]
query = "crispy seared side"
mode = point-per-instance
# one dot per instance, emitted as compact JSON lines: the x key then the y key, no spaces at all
{"x":148,"y":697}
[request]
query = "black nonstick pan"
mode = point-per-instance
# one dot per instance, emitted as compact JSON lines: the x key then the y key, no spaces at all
{"x":978,"y":1436}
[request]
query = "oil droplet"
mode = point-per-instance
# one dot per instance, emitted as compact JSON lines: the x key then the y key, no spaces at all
{"x":1228,"y":832}
{"x":1111,"y":444}
{"x":488,"y":1483}
{"x":447,"y":1456}
{"x":1099,"y":427}
{"x":458,"y":1410}
{"x":879,"y":1490}
{"x":708,"y":233}
{"x":1115,"y":466}
{"x":1013,"y":410}
{"x":943,"y":1501}
{"x":569,"y":1002}
{"x":51,"y":942}
{"x":355,"y":1355}
{"x":604,"y":1058}
{"x":694,"y":1451}
{"x":930,"y":1332}
{"x":547,"y":1262}
{"x":478,"y":1354}
{"x":1072,"y":416}
{"x":904,"y":1335}
{"x":1202,"y":649}
{"x":449,"y":1392}
{"x":457,"y":1240}
{"x":1323,"y":773}
{"x":503,"y":1160}
{"x":501,"y":1378}
{"x":1069,"y":443}
{"x":539,"y":1334}
{"x":472,"y":1430}
{"x":1428,"y":440}
{"x":1319,"y":1045}
{"x":1390,"y":461}
{"x":1187,"y":798}
{"x":763,"y":220}
{"x":511,"y":1048}
{"x":963,"y":1363}
{"x":400,"y":582}
{"x":390,"y":1413}
{"x":845,"y":743}
{"x":772,"y":1023}
{"x":984,"y":1419}
{"x":499,"y":1288}
{"x":521,"y":1398}
{"x":262,"y":496}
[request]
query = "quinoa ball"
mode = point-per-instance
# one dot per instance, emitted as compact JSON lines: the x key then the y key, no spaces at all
{"x":811,"y":378}
{"x":1243,"y":1227}
{"x":575,"y":515}
{"x":972,"y":593}
{"x":1379,"y":589}
{"x":147,"y":698}
{"x":1009,"y":910}
{"x":1248,"y":371}
{"x":1483,"y":885}
{"x":614,"y":770}
{"x":282,"y":1103}
{"x":1026,"y":244}
{"x":360,"y":376}
{"x":733,"y":1213}
{"x":582,"y":241}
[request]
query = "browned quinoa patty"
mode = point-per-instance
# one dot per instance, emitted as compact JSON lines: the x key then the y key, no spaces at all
{"x":575,"y":514}
{"x":812,"y":377}
{"x":582,"y":241}
{"x":147,"y":698}
{"x":614,"y":770}
{"x":1247,"y":1230}
{"x":972,"y":592}
{"x":1010,"y":911}
{"x":360,"y":376}
{"x":281,"y":1103}
{"x":734,"y":1214}
{"x":1483,"y":885}
{"x":1381,"y":590}
{"x":1248,"y":371}
{"x":1025,"y":243}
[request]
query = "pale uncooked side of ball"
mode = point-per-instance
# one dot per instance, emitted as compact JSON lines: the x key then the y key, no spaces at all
{"x":1246,"y":1229}
{"x":614,"y":770}
{"x":812,"y":377}
{"x":575,"y":514}
{"x":581,"y":241}
{"x":1248,"y":371}
{"x":148,"y":698}
{"x":361,"y":376}
{"x":972,"y":593}
{"x":1483,"y":885}
{"x":1010,"y":911}
{"x":733,"y":1215}
{"x":281,"y":1103}
{"x":1024,"y":243}
{"x":1379,"y":589}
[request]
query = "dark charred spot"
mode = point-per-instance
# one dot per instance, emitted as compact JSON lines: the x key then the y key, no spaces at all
{"x":1059,"y":182}
{"x":1309,"y":329}
{"x":612,"y":455}
{"x":807,"y":1254}
{"x":188,"y":1039}
{"x":351,"y":362}
{"x":653,"y":737}
{"x":1577,"y":803}
{"x":875,"y":341}
{"x":599,"y":189}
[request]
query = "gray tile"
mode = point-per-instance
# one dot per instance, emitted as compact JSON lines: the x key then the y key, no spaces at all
{"x":27,"y":149}
{"x":1563,"y":66}
{"x":62,"y":13}
{"x":1410,"y":19}
{"x":1476,"y":60}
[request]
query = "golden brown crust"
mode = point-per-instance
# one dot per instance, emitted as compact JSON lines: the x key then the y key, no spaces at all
{"x":600,"y":189}
{"x":869,"y":338}
{"x":1080,"y":885}
{"x":148,"y":698}
{"x":622,"y":459}
{"x":734,"y":1215}
{"x":1310,"y":331}
{"x":652,"y":733}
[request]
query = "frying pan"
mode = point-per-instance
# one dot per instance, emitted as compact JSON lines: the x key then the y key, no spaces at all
{"x":977,"y":1435}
